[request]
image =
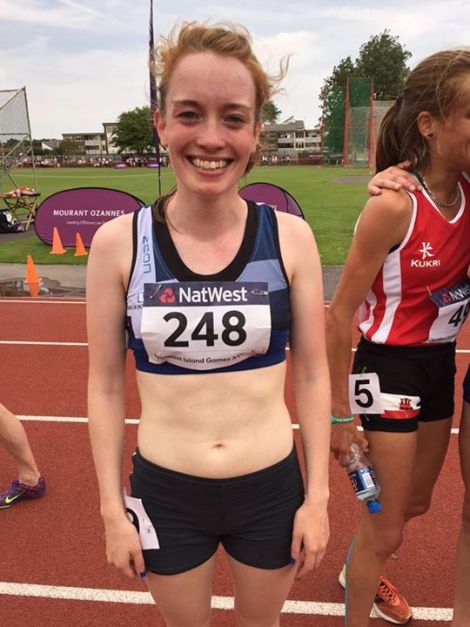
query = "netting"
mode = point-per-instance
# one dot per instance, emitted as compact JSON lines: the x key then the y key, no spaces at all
{"x":357,"y":123}
{"x":351,"y":122}
{"x":15,"y":134}
{"x":380,"y":108}
{"x":333,"y":126}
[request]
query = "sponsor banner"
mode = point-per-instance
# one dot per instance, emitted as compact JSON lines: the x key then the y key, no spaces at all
{"x":82,"y":210}
{"x":120,"y":165}
{"x":153,"y":164}
{"x":272,"y":195}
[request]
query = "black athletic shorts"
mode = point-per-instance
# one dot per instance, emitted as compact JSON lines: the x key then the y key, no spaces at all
{"x":251,"y":515}
{"x":416,"y":383}
{"x":466,"y":387}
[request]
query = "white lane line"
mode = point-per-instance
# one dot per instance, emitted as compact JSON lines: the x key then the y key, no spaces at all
{"x":461,"y":351}
{"x":69,"y":419}
{"x":29,"y":301}
{"x":218,"y":602}
{"x":28,"y":343}
{"x":128,"y":421}
{"x":454,"y":430}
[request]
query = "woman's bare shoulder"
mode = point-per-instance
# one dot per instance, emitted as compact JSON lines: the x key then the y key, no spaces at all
{"x":114,"y":232}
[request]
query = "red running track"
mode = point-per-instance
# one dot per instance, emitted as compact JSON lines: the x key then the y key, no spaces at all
{"x":53,"y":568}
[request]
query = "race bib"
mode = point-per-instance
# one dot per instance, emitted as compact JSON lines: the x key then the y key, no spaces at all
{"x":453,"y":307}
{"x":138,"y":517}
{"x":205,"y":325}
{"x":364,"y":393}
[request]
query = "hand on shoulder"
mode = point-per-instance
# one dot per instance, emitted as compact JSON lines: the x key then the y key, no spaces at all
{"x":395,"y":177}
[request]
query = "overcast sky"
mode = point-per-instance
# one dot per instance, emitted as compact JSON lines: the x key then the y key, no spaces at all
{"x":84,"y":62}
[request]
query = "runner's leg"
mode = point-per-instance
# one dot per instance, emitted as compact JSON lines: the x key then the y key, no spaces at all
{"x":14,"y":439}
{"x":260,"y":593}
{"x":184,"y":599}
{"x":462,"y":596}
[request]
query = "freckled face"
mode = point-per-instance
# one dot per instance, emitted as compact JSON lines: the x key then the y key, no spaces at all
{"x":209,"y":122}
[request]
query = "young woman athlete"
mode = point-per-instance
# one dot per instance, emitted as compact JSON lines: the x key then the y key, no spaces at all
{"x":397,"y":177}
{"x":210,"y":289}
{"x":406,"y":273}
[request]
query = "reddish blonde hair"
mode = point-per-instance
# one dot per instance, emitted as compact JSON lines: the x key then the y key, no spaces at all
{"x":223,"y":39}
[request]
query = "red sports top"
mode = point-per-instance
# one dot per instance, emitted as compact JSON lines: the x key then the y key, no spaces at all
{"x":422,"y":293}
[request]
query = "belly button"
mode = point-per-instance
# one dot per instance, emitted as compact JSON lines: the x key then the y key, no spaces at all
{"x":219,"y":445}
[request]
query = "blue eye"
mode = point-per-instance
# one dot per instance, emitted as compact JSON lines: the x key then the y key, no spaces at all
{"x":188,"y":115}
{"x":235,"y":120}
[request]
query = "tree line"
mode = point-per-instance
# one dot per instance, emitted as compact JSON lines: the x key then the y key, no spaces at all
{"x":382,"y":59}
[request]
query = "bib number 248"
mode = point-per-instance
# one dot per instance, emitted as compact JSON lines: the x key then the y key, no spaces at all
{"x":233,"y":331}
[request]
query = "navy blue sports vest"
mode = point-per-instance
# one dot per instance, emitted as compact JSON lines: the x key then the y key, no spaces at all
{"x":180,"y":322}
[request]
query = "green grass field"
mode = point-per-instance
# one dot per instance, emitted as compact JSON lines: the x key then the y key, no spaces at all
{"x":330,"y":206}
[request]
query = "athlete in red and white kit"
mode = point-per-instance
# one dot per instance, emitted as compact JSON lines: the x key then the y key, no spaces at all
{"x":406,"y":276}
{"x":398,"y":177}
{"x":397,"y":310}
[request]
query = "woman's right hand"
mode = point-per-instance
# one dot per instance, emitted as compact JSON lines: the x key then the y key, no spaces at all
{"x":123,"y":549}
{"x":342,"y":436}
{"x":395,"y":177}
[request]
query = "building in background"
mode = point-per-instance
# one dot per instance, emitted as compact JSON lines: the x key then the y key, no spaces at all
{"x":290,"y":141}
{"x":90,"y":144}
{"x":109,"y":128}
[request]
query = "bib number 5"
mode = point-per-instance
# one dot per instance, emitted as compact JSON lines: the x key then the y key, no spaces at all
{"x":364,"y":393}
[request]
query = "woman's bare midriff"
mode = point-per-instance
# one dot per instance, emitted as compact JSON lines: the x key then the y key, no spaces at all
{"x":215,"y":425}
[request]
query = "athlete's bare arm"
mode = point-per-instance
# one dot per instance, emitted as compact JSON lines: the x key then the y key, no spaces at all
{"x":382,"y":225}
{"x":109,"y":254}
{"x":311,"y":384}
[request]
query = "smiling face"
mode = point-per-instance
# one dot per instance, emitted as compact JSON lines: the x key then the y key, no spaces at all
{"x":209,"y":123}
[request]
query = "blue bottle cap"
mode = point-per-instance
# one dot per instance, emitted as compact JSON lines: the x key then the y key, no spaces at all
{"x":374,"y":506}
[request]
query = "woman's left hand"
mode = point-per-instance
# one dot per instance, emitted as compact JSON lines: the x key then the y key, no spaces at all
{"x":310,"y":536}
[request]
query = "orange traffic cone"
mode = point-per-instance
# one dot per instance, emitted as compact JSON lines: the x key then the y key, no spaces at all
{"x":32,"y":277}
{"x":79,"y":247}
{"x":57,"y":248}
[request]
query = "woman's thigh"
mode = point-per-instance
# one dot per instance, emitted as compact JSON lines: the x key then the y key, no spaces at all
{"x":432,"y":445}
{"x":393,"y":457}
{"x":184,"y":599}
{"x":260,"y":593}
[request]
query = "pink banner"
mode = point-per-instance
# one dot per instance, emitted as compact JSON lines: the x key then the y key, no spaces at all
{"x":271,"y":195}
{"x":81,"y":210}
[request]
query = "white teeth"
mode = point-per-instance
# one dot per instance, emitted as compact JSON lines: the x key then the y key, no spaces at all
{"x":209,"y":165}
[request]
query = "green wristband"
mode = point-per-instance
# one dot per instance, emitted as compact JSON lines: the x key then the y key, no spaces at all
{"x":335,"y":420}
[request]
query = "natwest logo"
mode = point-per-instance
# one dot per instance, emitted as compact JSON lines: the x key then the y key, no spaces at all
{"x":426,"y":260}
{"x":167,"y":296}
{"x":216,"y":294}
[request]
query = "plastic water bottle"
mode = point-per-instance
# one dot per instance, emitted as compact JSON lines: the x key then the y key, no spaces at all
{"x":363,"y":480}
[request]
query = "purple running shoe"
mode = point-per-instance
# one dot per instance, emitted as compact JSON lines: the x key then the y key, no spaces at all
{"x":18,"y":492}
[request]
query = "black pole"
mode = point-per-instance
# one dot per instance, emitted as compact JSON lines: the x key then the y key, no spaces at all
{"x":153,"y":98}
